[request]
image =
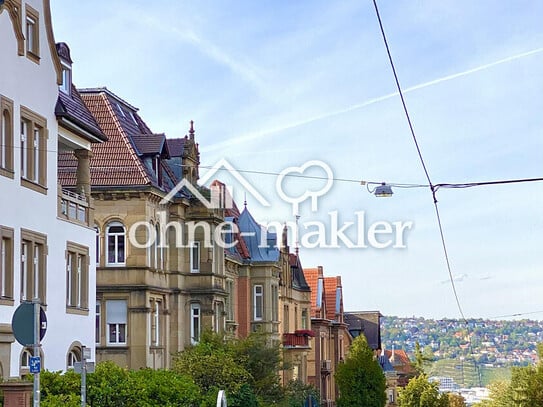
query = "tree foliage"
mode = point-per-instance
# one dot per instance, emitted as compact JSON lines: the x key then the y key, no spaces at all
{"x":456,"y":400}
{"x":112,"y":386}
{"x":419,"y":392}
{"x":360,"y":379}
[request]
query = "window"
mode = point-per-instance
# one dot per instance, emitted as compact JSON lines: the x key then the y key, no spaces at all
{"x":115,"y":244}
{"x":219,"y":317}
{"x":6,"y":137}
{"x":6,"y":264}
{"x":304,"y":319}
{"x":97,"y":230}
{"x":66,"y":85}
{"x":286,"y":319}
{"x":275,"y":303}
{"x":195,"y":257}
{"x":33,"y":151}
{"x":33,"y":266}
{"x":98,"y":319}
{"x":74,"y":355}
{"x":25,"y":358}
{"x":258,"y":302}
{"x":157,"y":246}
{"x":77,"y":276}
{"x":32,"y":34}
{"x":230,"y":300}
{"x":195,"y":323}
{"x":155,"y":323}
{"x":116,"y":316}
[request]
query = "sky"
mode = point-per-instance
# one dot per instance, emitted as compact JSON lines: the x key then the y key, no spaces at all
{"x":272,"y":85}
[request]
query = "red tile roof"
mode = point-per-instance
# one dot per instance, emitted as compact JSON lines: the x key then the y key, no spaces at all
{"x":312,"y":278}
{"x":114,"y":162}
{"x":330,"y":288}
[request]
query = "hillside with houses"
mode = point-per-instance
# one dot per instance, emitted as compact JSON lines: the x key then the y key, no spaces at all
{"x":489,"y":343}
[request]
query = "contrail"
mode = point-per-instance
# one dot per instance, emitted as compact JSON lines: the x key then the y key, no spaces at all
{"x":263,"y":133}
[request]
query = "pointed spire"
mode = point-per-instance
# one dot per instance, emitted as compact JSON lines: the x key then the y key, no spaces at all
{"x":191,"y":130}
{"x":245,"y":200}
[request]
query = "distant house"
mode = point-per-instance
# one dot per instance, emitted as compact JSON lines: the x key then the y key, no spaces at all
{"x":332,"y":339}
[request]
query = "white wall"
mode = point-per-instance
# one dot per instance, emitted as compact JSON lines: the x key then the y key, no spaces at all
{"x":34,"y":86}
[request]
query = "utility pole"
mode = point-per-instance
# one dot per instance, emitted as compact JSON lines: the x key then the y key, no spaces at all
{"x":37,"y":326}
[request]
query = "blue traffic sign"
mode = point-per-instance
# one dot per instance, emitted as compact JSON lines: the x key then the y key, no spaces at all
{"x":23,"y":324}
{"x":35,"y":364}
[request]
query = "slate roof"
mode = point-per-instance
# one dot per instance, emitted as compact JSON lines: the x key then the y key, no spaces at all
{"x":72,"y":108}
{"x":253,"y":235}
{"x":176,"y":146}
{"x":369,"y":322}
{"x":298,"y":278}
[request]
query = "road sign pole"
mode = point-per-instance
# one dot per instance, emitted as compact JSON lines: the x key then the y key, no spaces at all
{"x":83,"y":377}
{"x":37,"y":309}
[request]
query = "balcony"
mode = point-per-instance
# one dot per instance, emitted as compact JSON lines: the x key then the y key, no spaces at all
{"x":299,"y":339}
{"x":73,"y":207}
{"x":326,"y":366}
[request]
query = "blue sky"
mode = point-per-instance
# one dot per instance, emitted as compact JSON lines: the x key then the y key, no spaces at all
{"x":273,"y":84}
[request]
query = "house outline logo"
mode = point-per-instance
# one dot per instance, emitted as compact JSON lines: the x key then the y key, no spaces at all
{"x":219,"y":198}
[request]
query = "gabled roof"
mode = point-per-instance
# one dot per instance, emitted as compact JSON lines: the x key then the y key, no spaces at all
{"x":261,"y":243}
{"x":400,"y":361}
{"x":151,"y":144}
{"x":298,"y":278}
{"x":71,"y":108}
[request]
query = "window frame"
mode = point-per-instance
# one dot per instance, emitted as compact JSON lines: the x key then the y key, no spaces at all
{"x":98,"y":322}
{"x":258,"y":299}
{"x":7,"y":255}
{"x":6,"y":137}
{"x":33,"y":266}
{"x":116,"y":236}
{"x":195,"y":323}
{"x":117,"y":325}
{"x":34,"y":136}
{"x":32,"y":39}
{"x":156,"y":336}
{"x":77,"y":278}
{"x":66,"y":85}
{"x":194,"y":251}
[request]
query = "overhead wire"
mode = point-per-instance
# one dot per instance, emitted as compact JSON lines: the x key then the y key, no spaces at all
{"x":412,"y":130}
{"x":432,"y":187}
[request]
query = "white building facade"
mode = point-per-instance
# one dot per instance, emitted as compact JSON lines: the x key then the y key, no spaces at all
{"x":47,"y":239}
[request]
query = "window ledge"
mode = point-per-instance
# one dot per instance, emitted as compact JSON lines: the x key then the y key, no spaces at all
{"x":7,"y":173}
{"x":33,"y":56}
{"x":76,"y":310}
{"x":6,"y":301}
{"x":33,"y":186}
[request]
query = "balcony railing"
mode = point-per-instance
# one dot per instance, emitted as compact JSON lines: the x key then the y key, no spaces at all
{"x":74,"y":207}
{"x":326,"y":366}
{"x":291,"y":340}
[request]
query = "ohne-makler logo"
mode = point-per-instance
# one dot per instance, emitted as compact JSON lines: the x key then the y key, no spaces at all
{"x":330,"y":234}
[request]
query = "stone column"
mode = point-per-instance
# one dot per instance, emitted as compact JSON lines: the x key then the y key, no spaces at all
{"x":17,"y":394}
{"x":83,"y":183}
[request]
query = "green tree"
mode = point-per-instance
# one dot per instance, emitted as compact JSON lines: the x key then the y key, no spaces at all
{"x":262,"y":360}
{"x":419,"y":392}
{"x":213,"y":364}
{"x":360,"y":379}
{"x":456,"y":400}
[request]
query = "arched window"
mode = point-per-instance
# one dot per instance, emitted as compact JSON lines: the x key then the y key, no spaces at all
{"x":74,"y":355}
{"x":26,"y":354}
{"x":116,"y":244}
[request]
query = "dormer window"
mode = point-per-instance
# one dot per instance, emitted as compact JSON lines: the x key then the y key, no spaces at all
{"x":66,"y":85}
{"x":156,"y":169}
{"x":121,"y":110}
